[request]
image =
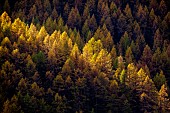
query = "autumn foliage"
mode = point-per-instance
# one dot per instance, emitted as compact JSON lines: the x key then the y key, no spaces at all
{"x":91,"y":56}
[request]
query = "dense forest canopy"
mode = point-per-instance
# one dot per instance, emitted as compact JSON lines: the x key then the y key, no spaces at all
{"x":84,"y":56}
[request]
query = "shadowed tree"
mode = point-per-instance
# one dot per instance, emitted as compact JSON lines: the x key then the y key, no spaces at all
{"x":147,"y":56}
{"x":86,"y":14}
{"x":54,"y":14}
{"x":162,"y":8}
{"x":129,"y":19}
{"x":66,"y":11}
{"x":159,"y":80}
{"x":148,"y":98}
{"x":74,"y":19}
{"x":129,"y":56}
{"x":124,"y":43}
{"x":6,"y":7}
{"x":158,"y":41}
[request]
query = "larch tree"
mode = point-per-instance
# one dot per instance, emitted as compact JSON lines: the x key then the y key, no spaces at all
{"x":59,"y":103}
{"x":131,"y":76}
{"x":85,"y":30}
{"x":91,"y":49}
{"x":91,"y":4}
{"x":5,"y":21}
{"x":36,"y":90}
{"x":129,"y":19}
{"x":32,"y":31}
{"x":18,"y":27}
{"x":140,"y":41}
{"x":58,"y":83}
{"x":92,"y":23}
{"x":47,"y":6}
{"x":120,"y":62}
{"x":147,"y":56}
{"x":22,"y":86}
{"x":56,"y":4}
{"x":156,"y":60}
{"x":162,"y":8}
{"x":129,"y":56}
{"x":124,"y":43}
{"x":104,"y":62}
{"x":153,"y":4}
{"x":86,"y":14}
{"x":40,"y":37}
{"x":163,"y":100}
{"x":136,"y":30}
{"x":74,"y":55}
{"x":158,"y":41}
{"x":159,"y":80}
{"x":66,"y":11}
{"x":6,"y":43}
{"x":32,"y":12}
{"x":74,"y":19}
{"x":11,"y":106}
{"x":122,"y":24}
{"x":30,"y":66}
{"x":49,"y":25}
{"x":54,"y":14}
{"x":113,"y":8}
{"x":113,"y":54}
{"x":148,"y":98}
{"x":109,"y":43}
{"x":141,"y":17}
{"x":6,"y":7}
{"x":104,"y":13}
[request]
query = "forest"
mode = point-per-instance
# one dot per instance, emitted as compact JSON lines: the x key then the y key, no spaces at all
{"x":84,"y":56}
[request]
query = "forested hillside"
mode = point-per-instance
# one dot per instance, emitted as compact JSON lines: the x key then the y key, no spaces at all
{"x":84,"y":56}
